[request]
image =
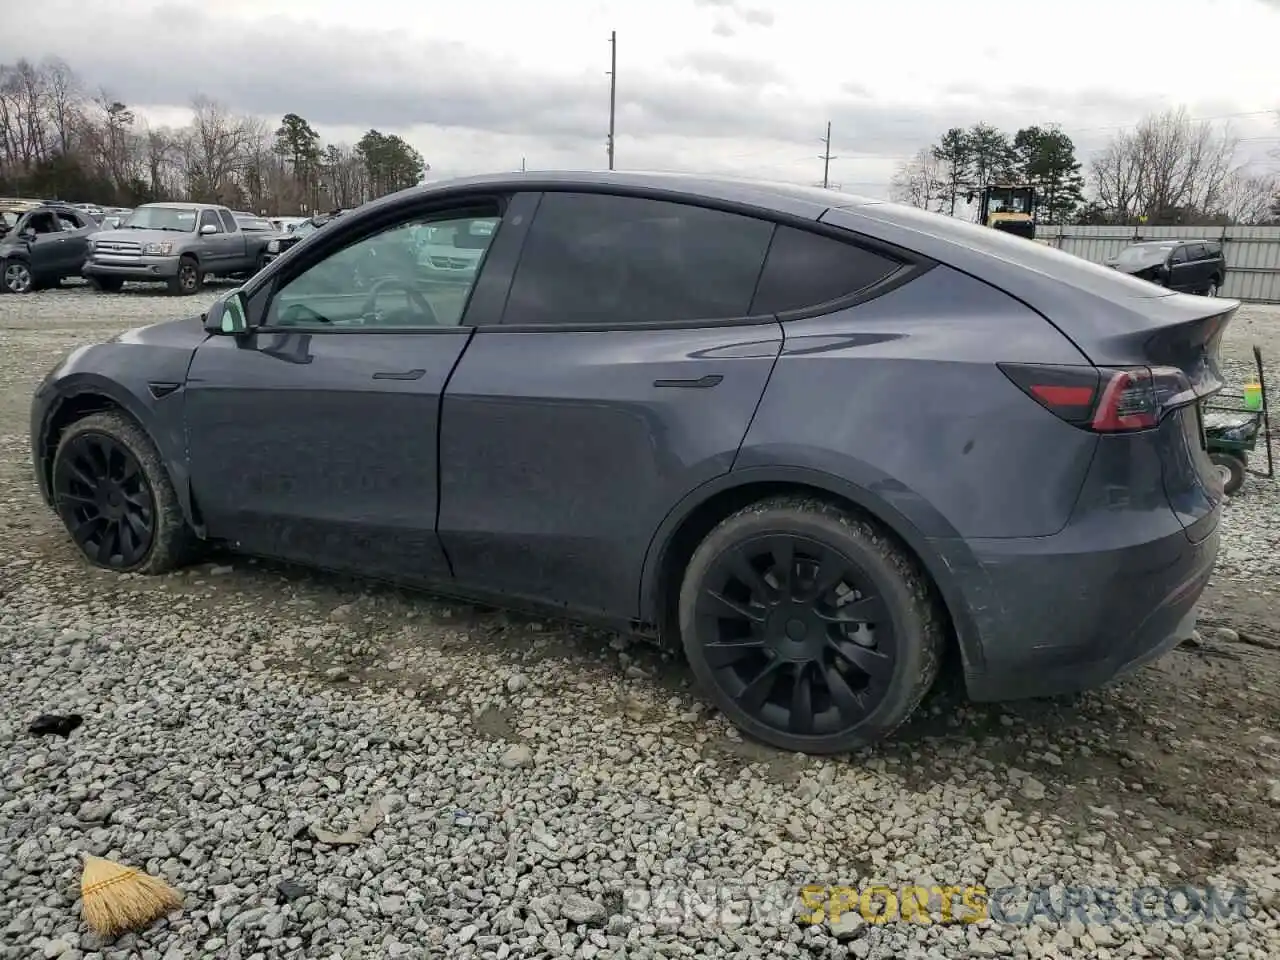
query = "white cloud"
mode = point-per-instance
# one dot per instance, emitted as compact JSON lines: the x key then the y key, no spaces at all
{"x":744,"y":86}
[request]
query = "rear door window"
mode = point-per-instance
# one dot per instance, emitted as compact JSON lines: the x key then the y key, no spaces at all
{"x":1195,"y":251}
{"x":228,"y":221}
{"x":601,"y":259}
{"x":805,"y":269}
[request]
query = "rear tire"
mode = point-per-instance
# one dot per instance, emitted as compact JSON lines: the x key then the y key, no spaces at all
{"x":16,"y":276}
{"x":809,"y":628}
{"x":1232,"y":470}
{"x":187,"y":280}
{"x":107,"y":284}
{"x":115,"y":498}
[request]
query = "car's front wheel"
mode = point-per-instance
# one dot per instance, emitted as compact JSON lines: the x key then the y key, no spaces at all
{"x":808,"y":627}
{"x":187,"y":280}
{"x":17,"y":276}
{"x":113,"y":494}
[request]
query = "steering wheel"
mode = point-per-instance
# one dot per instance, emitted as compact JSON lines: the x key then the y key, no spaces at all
{"x":412,"y":292}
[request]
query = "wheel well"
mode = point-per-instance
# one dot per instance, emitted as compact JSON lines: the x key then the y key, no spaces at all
{"x":74,"y":408}
{"x":704,"y":518}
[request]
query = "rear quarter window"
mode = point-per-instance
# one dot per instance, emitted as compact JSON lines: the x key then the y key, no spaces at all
{"x":806,"y":269}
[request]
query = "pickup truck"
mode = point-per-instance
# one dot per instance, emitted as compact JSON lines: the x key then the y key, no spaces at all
{"x":177,"y":243}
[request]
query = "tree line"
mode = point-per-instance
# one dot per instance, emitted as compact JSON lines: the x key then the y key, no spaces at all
{"x":1170,"y":169}
{"x":60,"y":140}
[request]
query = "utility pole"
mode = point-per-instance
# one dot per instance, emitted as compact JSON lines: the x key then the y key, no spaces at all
{"x":522,"y":164}
{"x":826,"y":157}
{"x":613,"y":88}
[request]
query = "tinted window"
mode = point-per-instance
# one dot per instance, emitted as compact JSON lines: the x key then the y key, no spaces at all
{"x":1180,"y":255}
{"x":69,"y":221}
{"x":209,"y":218}
{"x":804,"y":269}
{"x":1195,"y":251}
{"x":390,"y":279}
{"x":1213,"y":249}
{"x":228,"y":221}
{"x":593,"y":258}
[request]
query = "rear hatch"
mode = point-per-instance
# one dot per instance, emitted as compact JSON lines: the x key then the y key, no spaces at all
{"x":1176,"y":339}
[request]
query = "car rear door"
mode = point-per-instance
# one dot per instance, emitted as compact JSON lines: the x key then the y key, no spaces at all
{"x":76,"y":228}
{"x":624,"y":375}
{"x":314,"y":436}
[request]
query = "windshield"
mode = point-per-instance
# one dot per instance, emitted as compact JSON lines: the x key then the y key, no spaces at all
{"x":162,"y":218}
{"x":255,"y":224}
{"x":1141,"y":254}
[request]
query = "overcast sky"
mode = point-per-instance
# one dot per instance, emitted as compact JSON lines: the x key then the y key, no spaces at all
{"x":737,"y":86}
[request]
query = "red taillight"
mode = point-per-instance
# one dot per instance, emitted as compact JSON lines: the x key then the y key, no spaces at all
{"x":1104,"y":400}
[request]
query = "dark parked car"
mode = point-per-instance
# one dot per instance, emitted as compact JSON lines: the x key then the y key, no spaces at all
{"x":1188,"y":266}
{"x":821,"y":443}
{"x":279,"y":245}
{"x":45,"y":246}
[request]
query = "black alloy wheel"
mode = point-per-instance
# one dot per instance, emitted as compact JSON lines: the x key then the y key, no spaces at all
{"x":811,"y":631}
{"x":105,"y":500}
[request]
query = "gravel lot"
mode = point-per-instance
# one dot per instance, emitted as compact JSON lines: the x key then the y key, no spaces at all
{"x":534,"y":779}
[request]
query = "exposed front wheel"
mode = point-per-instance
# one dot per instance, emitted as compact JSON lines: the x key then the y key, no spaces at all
{"x":808,"y":627}
{"x":187,"y":280}
{"x":1214,"y":287}
{"x":115,"y":497}
{"x":1231,"y":470}
{"x":17,"y":277}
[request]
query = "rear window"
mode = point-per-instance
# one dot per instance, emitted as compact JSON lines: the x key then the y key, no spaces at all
{"x":805,"y":269}
{"x":1076,"y":271}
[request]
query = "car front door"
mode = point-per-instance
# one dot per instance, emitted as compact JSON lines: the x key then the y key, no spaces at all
{"x":45,"y":244}
{"x":623,"y":376}
{"x":74,"y":242}
{"x":313,"y":437}
{"x":1181,"y":270}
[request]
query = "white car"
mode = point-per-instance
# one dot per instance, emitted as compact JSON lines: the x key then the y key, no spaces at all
{"x":448,"y":254}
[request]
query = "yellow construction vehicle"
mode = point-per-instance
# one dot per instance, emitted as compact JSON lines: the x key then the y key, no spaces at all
{"x":1009,"y":208}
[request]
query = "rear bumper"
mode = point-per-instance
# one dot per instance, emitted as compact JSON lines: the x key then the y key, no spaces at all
{"x":134,"y":268}
{"x":1057,"y":615}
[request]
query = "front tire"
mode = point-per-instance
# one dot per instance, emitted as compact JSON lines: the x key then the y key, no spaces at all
{"x":17,"y":276}
{"x":808,"y":627}
{"x":115,"y":498}
{"x":187,"y":280}
{"x":1215,"y":285}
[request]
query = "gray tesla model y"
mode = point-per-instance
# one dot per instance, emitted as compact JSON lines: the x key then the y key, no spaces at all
{"x":826,"y":445}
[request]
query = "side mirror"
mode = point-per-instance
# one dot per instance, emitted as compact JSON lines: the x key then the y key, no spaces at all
{"x":229,"y":315}
{"x":207,"y":229}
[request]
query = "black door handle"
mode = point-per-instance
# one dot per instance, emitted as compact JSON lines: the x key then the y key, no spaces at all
{"x":710,"y":380}
{"x":402,"y":375}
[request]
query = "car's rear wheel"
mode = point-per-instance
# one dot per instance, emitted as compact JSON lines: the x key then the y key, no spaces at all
{"x":115,"y":497}
{"x":187,"y":280}
{"x":809,"y":628}
{"x":107,"y":284}
{"x":1231,"y":470}
{"x":17,"y":277}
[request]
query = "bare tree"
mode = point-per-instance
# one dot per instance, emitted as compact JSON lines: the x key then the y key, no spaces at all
{"x":1170,"y":168}
{"x":1248,"y":197}
{"x":218,"y":141}
{"x":920,"y":181}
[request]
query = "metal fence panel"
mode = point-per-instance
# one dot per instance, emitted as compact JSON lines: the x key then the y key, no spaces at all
{"x":1252,"y":253}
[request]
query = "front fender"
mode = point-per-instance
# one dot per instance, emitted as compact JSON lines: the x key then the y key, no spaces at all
{"x":945,"y":556}
{"x":143,"y":380}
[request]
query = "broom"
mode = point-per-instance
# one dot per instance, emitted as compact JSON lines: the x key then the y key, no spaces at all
{"x":116,"y":898}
